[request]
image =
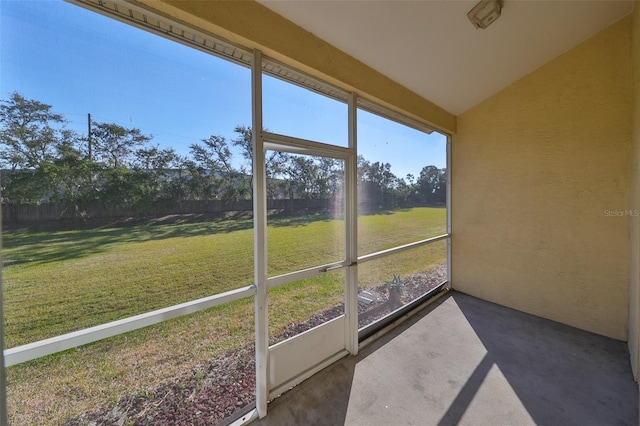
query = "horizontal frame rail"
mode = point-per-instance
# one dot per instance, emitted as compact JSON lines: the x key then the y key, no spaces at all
{"x":374,"y":331}
{"x":279,"y":70}
{"x":376,"y":255}
{"x":277,"y":142}
{"x":30,"y":351}
{"x":374,"y":328}
{"x":302,"y":274}
{"x":390,"y":114}
{"x":140,"y":16}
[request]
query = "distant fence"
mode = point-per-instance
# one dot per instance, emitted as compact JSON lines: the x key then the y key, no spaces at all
{"x":14,"y":214}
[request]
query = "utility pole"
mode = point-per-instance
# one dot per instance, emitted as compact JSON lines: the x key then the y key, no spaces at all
{"x":89,"y":134}
{"x":89,"y":143}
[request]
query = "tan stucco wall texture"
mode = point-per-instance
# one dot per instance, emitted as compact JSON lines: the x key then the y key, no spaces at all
{"x":634,"y":281}
{"x":541,"y":178}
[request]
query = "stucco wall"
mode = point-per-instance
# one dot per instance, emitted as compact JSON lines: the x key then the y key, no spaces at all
{"x":634,"y":281}
{"x":537,"y":170}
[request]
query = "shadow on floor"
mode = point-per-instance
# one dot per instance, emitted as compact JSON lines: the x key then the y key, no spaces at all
{"x":560,"y":374}
{"x":466,"y":361}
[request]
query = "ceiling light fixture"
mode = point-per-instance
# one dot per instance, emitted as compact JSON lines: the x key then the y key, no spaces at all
{"x":485,"y":12}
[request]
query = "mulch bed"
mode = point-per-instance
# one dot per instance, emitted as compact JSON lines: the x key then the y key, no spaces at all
{"x":206,"y":396}
{"x":219,"y":387}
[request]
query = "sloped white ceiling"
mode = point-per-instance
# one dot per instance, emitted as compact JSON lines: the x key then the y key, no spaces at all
{"x":431,"y":48}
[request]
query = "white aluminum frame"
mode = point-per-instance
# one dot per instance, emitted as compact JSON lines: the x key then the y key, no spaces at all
{"x":351,"y":225}
{"x":295,"y":359}
{"x":302,"y":274}
{"x":382,"y":253}
{"x":30,"y":351}
{"x":260,"y":238}
{"x":277,"y":69}
{"x":4,"y":416}
{"x":137,"y":15}
{"x":449,"y":283}
{"x":377,"y":109}
{"x":290,"y":373}
{"x":277,"y":142}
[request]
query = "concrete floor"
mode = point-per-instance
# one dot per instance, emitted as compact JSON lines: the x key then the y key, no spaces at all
{"x":469,"y":362}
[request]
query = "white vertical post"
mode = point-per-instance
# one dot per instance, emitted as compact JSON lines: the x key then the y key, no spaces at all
{"x":259,"y":239}
{"x":4,"y":416}
{"x":449,"y":212}
{"x":351,"y":230}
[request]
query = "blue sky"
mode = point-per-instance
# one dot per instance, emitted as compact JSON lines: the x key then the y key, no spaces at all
{"x":81,"y":62}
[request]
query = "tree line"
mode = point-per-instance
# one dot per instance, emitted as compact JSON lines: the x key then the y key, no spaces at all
{"x":114,"y":166}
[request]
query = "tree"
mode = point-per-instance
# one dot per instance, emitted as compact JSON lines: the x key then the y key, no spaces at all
{"x":377,"y":181}
{"x":381,"y":175}
{"x":154,"y":165}
{"x":71,"y":174}
{"x":329,"y":179}
{"x":431,"y":185}
{"x":274,"y":161}
{"x":25,"y":186}
{"x":216,"y":172}
{"x":301,"y":175}
{"x":312,"y":178}
{"x":177,"y":182}
{"x":39,"y":151}
{"x":441,"y":192}
{"x":403,"y":192}
{"x":115,"y":145}
{"x":244,"y":141}
{"x":30,"y":132}
{"x":120,"y":181}
{"x":155,"y":159}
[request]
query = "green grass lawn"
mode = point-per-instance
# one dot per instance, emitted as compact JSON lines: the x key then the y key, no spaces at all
{"x":390,"y":229}
{"x":57,"y":282}
{"x":63,"y":281}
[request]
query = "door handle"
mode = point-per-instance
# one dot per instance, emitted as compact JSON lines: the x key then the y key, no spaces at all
{"x":334,"y":267}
